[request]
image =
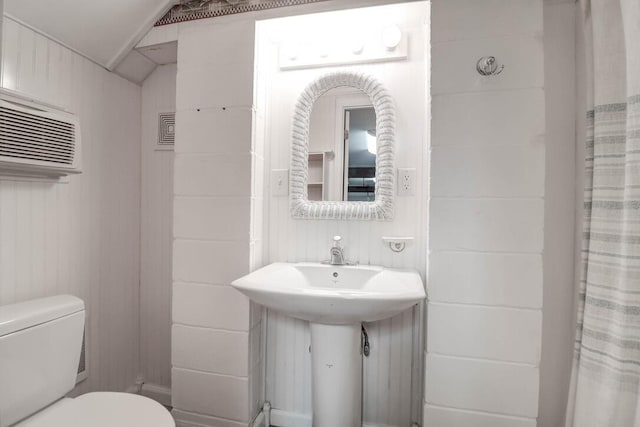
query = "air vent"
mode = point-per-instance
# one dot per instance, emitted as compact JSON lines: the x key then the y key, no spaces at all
{"x":37,"y":140}
{"x":166,"y":129}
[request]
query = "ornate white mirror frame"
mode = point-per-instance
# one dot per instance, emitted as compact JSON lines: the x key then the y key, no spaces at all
{"x":382,"y":207}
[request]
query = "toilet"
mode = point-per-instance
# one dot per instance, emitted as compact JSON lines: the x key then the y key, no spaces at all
{"x":40,"y":346}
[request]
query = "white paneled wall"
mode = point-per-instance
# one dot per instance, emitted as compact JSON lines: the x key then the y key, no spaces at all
{"x":487,"y":215}
{"x":391,"y":377}
{"x":1,"y":24}
{"x":216,"y":352}
{"x":558,"y":330}
{"x":80,"y":238}
{"x":158,"y":96}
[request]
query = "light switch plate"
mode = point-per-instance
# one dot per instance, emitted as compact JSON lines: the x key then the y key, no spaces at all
{"x":280,"y":182}
{"x":406,"y":182}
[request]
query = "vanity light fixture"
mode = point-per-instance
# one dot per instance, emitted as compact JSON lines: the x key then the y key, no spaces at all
{"x":372,"y":141}
{"x":352,"y":47}
{"x":391,"y":37}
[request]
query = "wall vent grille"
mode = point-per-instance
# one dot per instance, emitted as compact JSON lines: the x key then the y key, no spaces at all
{"x":24,"y":135}
{"x":166,"y":129}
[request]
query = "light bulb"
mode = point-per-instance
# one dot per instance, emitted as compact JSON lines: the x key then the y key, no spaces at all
{"x":323,"y":50}
{"x":290,"y":51}
{"x":391,"y":37}
{"x":357,"y":46}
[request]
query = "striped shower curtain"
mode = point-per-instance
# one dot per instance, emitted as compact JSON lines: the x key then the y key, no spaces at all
{"x":605,"y":383}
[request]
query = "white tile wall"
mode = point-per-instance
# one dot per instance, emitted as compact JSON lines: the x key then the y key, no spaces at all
{"x":218,"y":219}
{"x":487,"y":171}
{"x":459,"y":20}
{"x":216,"y":89}
{"x":193,"y":261}
{"x":194,"y":37}
{"x":485,"y":332}
{"x":205,"y":393}
{"x":214,"y":130}
{"x":80,"y":238}
{"x":210,"y":350}
{"x":484,"y":115}
{"x":455,"y":72}
{"x":218,"y":307}
{"x":215,"y":228}
{"x":494,"y":225}
{"x":227,"y":70}
{"x":195,"y":174}
{"x":486,"y":215}
{"x":496,"y":387}
{"x":446,"y":417}
{"x":497,"y":279}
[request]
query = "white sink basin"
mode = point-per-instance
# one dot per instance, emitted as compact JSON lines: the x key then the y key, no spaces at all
{"x":334,"y":295}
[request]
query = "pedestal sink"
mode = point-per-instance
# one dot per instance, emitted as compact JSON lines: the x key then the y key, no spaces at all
{"x":335,"y":300}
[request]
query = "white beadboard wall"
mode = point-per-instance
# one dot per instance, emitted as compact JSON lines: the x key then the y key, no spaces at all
{"x":486,"y":215}
{"x":1,"y":34}
{"x":392,"y":386}
{"x":158,"y":96}
{"x":80,"y":238}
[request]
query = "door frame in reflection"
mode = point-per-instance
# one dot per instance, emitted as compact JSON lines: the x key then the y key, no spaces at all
{"x":347,"y":173}
{"x":340,"y":175}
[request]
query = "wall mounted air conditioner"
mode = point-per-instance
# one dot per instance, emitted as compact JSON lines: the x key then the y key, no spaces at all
{"x":37,"y":140}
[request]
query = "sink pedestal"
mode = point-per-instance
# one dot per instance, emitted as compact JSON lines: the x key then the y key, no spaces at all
{"x":344,"y":296}
{"x":336,"y":375}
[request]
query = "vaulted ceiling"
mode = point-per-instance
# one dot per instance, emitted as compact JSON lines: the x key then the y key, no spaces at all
{"x":102,"y":30}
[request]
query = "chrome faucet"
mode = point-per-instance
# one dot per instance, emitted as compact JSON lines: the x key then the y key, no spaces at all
{"x":337,"y":254}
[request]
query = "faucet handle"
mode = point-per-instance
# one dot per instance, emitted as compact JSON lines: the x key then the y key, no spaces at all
{"x":336,"y":241}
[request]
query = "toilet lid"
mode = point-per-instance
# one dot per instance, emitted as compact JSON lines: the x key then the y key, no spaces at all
{"x":103,"y":410}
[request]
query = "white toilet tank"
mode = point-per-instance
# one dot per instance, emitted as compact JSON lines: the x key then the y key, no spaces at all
{"x":40,"y":343}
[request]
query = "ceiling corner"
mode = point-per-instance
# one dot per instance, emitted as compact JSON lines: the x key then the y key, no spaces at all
{"x":143,"y":29}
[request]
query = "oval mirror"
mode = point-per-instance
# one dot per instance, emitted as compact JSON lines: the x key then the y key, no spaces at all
{"x":342,"y":164}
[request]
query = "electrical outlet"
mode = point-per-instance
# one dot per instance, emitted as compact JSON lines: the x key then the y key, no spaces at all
{"x":406,"y":182}
{"x":279,"y":182}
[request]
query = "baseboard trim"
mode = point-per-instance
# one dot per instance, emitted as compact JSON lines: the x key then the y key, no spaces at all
{"x":160,"y":394}
{"x":186,"y":424}
{"x":193,"y":419}
{"x":290,"y":419}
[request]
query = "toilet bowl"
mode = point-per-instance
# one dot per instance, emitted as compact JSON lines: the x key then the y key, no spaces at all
{"x":102,"y":410}
{"x":40,"y":346}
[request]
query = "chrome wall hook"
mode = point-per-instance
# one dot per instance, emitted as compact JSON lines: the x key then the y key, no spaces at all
{"x":488,"y":66}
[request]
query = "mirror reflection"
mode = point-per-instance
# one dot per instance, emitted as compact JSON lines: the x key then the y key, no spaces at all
{"x":342,"y":147}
